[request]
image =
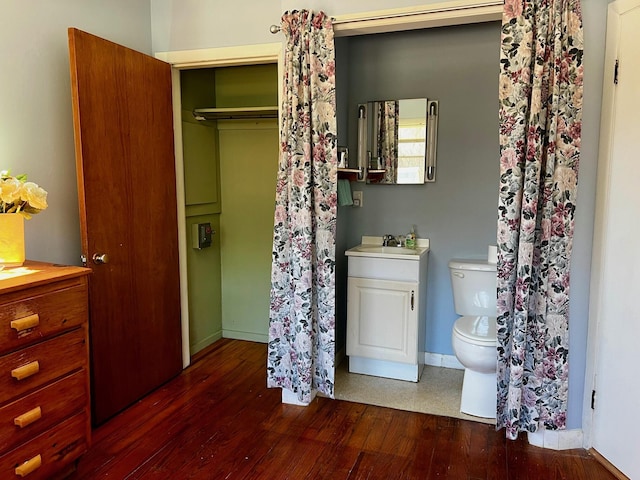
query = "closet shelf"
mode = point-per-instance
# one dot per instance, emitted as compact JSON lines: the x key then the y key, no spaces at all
{"x":231,"y":113}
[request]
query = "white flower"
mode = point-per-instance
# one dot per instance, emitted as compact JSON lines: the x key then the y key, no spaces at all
{"x":35,"y":196}
{"x":9,"y":190}
{"x":19,"y":196}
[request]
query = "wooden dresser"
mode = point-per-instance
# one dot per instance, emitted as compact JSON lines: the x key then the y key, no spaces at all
{"x":44,"y":370}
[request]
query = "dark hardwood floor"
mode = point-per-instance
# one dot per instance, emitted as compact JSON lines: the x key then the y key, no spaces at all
{"x":217,"y":420}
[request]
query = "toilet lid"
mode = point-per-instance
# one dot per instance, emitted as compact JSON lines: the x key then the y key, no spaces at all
{"x":478,"y":330}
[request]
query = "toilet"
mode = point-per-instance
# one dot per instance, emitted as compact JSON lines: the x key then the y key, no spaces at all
{"x":474,"y":334}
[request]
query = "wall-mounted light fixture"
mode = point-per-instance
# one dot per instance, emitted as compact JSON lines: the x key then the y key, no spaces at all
{"x":362,"y":143}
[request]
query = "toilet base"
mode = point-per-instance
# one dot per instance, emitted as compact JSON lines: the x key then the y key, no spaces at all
{"x":479,"y":392}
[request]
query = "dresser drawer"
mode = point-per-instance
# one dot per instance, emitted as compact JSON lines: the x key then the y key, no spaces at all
{"x":29,"y":319}
{"x":36,"y":412}
{"x":49,"y":453}
{"x":41,"y":363}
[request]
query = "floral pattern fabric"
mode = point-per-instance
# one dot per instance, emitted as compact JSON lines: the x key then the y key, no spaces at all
{"x":301,"y":350}
{"x":540,"y":123}
{"x":388,"y":122}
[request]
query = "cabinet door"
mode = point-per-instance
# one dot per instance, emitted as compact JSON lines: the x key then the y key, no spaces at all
{"x":382,"y":319}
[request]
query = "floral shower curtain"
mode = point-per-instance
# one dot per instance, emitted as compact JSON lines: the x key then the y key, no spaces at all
{"x":301,"y":347}
{"x":540,"y":123}
{"x":388,"y":119}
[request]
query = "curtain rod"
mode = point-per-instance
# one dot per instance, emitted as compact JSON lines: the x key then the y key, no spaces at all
{"x":276,"y":28}
{"x":406,"y":13}
{"x":413,"y":12}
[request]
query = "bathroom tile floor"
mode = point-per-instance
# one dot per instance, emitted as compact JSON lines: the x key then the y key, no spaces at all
{"x":437,"y":392}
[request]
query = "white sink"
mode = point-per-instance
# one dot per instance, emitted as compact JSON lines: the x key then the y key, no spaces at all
{"x":372,"y":247}
{"x":386,"y":250}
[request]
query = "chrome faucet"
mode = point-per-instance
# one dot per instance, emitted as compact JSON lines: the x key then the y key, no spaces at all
{"x":390,"y":241}
{"x":393,"y":241}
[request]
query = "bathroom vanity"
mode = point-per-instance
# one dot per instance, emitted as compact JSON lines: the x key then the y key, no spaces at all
{"x":386,"y":309}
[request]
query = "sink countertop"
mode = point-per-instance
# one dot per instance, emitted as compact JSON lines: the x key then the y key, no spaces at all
{"x":372,"y":247}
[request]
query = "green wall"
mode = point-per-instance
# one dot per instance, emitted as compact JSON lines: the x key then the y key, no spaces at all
{"x":248,"y":152}
{"x":227,"y":181}
{"x":248,"y":167}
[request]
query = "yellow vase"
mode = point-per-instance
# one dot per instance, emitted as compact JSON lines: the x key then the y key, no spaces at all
{"x":11,"y":239}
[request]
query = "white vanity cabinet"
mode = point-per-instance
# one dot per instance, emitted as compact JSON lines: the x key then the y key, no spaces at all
{"x":386,"y":307}
{"x":383,"y":319}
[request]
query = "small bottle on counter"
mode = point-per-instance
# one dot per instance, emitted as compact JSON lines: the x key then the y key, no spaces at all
{"x":410,"y":240}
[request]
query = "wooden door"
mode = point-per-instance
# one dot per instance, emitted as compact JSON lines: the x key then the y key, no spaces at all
{"x":122,"y":111}
{"x":616,"y":277}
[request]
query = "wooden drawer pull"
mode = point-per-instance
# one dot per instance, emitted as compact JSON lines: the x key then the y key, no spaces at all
{"x":25,"y":323}
{"x":28,"y":418}
{"x":29,"y":466}
{"x":26,"y":371}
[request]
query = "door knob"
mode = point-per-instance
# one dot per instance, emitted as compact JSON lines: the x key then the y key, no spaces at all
{"x":100,"y":258}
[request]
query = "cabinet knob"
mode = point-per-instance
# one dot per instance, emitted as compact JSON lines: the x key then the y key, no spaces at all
{"x":100,"y":258}
{"x":28,"y":418}
{"x":29,"y":466}
{"x":26,"y":371}
{"x":25,"y":323}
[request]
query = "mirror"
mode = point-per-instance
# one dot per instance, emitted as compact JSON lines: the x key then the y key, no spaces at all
{"x":397,"y":141}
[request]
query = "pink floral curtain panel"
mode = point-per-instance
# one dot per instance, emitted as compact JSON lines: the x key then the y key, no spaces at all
{"x":302,"y":312}
{"x":540,"y":122}
{"x":388,"y":120}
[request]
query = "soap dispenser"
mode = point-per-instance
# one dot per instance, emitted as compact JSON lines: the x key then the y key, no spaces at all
{"x":410,"y":240}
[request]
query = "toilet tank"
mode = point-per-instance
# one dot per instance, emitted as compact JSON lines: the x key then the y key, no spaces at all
{"x":474,"y":287}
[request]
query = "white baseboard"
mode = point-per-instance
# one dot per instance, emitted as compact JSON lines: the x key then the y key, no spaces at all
{"x":440,"y":360}
{"x":249,"y":336}
{"x":557,"y":439}
{"x":202,"y":344}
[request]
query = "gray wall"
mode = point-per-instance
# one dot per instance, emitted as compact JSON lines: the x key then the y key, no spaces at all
{"x":458,"y":67}
{"x":192,"y":24}
{"x":36,"y":123}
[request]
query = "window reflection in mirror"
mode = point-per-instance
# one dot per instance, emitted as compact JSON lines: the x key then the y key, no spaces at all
{"x":412,"y":136}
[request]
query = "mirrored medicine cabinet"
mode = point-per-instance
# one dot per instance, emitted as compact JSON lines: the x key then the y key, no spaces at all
{"x":397,"y":141}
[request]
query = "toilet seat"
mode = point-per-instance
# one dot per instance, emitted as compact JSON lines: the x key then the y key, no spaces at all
{"x":477,"y":330}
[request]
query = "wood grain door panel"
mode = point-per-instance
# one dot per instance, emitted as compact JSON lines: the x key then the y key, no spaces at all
{"x":127,"y":195}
